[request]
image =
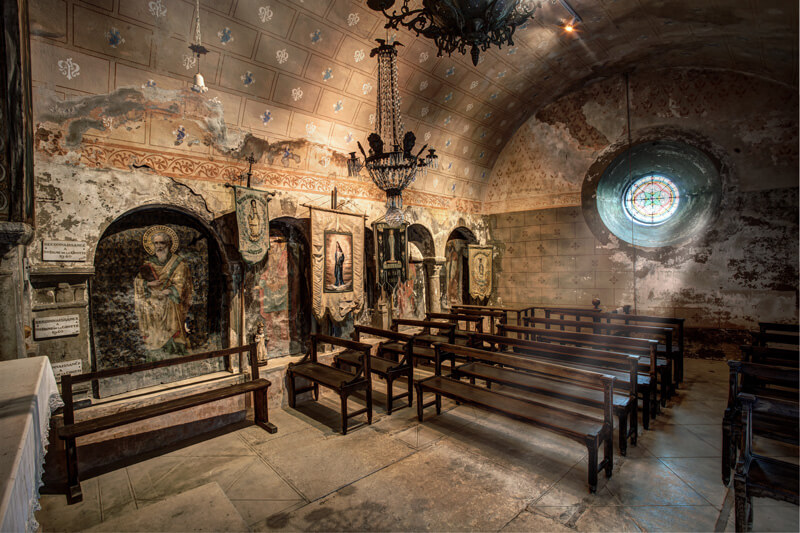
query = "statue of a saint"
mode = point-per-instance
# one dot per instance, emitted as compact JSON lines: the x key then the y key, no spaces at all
{"x":253,"y":222}
{"x":261,"y":346}
{"x":163,"y":293}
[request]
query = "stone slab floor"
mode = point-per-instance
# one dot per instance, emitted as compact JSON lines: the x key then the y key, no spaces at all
{"x":463,"y":470}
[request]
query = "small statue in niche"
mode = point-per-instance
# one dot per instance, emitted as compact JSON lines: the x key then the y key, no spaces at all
{"x":261,"y":343}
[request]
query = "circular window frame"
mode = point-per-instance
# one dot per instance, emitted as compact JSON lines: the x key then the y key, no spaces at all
{"x":635,"y":215}
{"x":654,"y":136}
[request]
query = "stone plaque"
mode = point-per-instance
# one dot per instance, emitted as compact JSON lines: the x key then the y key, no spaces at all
{"x":67,"y":367}
{"x":64,"y":251}
{"x":56,"y":326}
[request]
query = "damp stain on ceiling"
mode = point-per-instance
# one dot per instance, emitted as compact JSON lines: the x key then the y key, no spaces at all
{"x":285,"y":70}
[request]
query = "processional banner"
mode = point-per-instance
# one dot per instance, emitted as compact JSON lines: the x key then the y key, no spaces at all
{"x":252,"y":217}
{"x":337,"y":261}
{"x":391,"y":247}
{"x":480,"y":270}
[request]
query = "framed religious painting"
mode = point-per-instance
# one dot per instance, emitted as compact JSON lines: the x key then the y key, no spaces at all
{"x":391,"y":247}
{"x":338,"y":268}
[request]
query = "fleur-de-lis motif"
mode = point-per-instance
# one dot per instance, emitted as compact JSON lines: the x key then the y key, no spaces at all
{"x":282,"y":56}
{"x":512,"y":51}
{"x":366,"y":88}
{"x":488,"y":115}
{"x":311,"y":128}
{"x":108,"y":122}
{"x":266,"y":116}
{"x":180,"y":135}
{"x":465,"y":128}
{"x":448,"y":142}
{"x":447,"y":120}
{"x":114,"y":37}
{"x":450,"y":72}
{"x":189,"y":61}
{"x":349,"y":137}
{"x":157,"y":8}
{"x":297,"y":93}
{"x":464,"y":150}
{"x":501,"y":74}
{"x":359,"y":55}
{"x":481,"y":155}
{"x":492,"y":96}
{"x":448,"y":96}
{"x":316,"y":36}
{"x":327,"y":74}
{"x":265,"y":13}
{"x":427,"y":136}
{"x":424,"y":111}
{"x":423,"y":85}
{"x":469,"y":107}
{"x":149,"y":84}
{"x":423,"y":57}
{"x":338,"y":106}
{"x":352,"y":19}
{"x":69,"y":68}
{"x":473,"y":84}
{"x":225,"y":35}
{"x":372,"y":118}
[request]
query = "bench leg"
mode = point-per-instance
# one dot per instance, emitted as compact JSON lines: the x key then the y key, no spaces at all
{"x":344,"y":413}
{"x":592,"y":460}
{"x":634,"y":419}
{"x":261,"y":411}
{"x":727,"y":448}
{"x":743,"y":505}
{"x":74,"y":494}
{"x":410,"y":385}
{"x":419,"y":401}
{"x":389,"y":398}
{"x":608,"y":453}
{"x":369,"y":403}
{"x":622,"y":422}
{"x":290,"y":383}
{"x":645,"y":409}
{"x":316,"y":392}
{"x":438,"y":404}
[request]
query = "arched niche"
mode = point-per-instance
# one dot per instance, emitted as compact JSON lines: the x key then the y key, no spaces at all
{"x":455,"y":279}
{"x":423,"y":239}
{"x":280,"y":290}
{"x":157,"y":301}
{"x":411,"y":296}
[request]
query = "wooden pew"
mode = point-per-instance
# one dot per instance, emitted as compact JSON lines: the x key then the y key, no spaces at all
{"x":759,"y":476}
{"x":341,"y":381}
{"x":471,"y":323}
{"x":71,"y":430}
{"x":495,"y":317}
{"x":766,"y":382}
{"x":387,"y":369}
{"x":625,"y":368}
{"x":659,"y":369}
{"x":674,"y":352}
{"x":764,"y":355}
{"x":586,"y":430}
{"x":775,"y":335}
{"x":543,"y":382}
{"x":518,"y":312}
{"x":445,"y":330}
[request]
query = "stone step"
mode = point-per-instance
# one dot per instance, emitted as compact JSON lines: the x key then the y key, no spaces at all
{"x":205,"y":508}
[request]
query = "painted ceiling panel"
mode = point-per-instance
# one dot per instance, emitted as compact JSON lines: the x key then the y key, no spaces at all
{"x":287,"y":69}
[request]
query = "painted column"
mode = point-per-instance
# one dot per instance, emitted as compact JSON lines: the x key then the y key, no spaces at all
{"x":433,"y":270}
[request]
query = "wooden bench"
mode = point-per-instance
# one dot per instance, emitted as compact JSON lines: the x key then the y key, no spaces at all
{"x":624,"y":368}
{"x":586,"y":430}
{"x":495,"y":317}
{"x":759,"y":476}
{"x":446,"y":331}
{"x":658,"y":368}
{"x":518,"y":312}
{"x":764,"y":355}
{"x":766,"y":382}
{"x":472,"y":323}
{"x":771,"y":333}
{"x":387,"y":369}
{"x":543,"y":382}
{"x":343,"y":382}
{"x":71,"y":430}
{"x":669,"y":349}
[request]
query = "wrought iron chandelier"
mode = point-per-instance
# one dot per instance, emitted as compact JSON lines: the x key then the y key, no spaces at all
{"x":391,"y":163}
{"x":456,"y":25}
{"x":199,"y":84}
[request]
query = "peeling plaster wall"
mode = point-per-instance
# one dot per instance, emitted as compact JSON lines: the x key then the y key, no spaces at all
{"x":742,"y":268}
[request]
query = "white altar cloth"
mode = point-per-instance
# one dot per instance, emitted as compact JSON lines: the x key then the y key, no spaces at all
{"x":28,"y":394}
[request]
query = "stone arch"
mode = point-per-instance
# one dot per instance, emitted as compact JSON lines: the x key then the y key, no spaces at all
{"x":422,"y":237}
{"x":456,"y":274}
{"x":121,"y":333}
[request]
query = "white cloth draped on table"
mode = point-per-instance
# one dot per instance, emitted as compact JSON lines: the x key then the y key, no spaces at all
{"x":28,"y":396}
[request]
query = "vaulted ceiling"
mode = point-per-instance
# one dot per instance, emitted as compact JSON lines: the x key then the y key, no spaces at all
{"x":288,"y":69}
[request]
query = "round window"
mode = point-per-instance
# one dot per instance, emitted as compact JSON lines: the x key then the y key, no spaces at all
{"x":657,"y":193}
{"x":651,"y":200}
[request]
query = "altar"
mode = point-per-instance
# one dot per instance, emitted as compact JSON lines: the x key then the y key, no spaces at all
{"x":28,"y":396}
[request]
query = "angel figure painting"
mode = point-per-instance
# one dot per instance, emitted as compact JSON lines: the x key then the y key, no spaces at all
{"x":338,"y":262}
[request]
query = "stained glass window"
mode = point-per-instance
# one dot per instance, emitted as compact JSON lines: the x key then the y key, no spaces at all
{"x":651,"y":200}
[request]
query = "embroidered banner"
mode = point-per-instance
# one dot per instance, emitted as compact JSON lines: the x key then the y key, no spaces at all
{"x":337,"y":260}
{"x":252,"y":217}
{"x":480,"y":270}
{"x":391,"y":251}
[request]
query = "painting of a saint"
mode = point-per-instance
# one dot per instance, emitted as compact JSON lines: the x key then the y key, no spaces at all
{"x":338,"y":262}
{"x":253,"y":222}
{"x":163,"y":293}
